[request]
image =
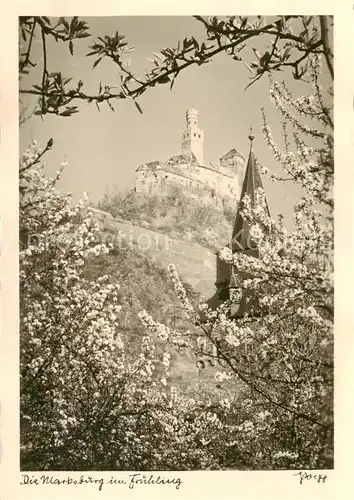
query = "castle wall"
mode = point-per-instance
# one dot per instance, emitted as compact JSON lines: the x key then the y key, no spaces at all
{"x":202,"y":184}
{"x":235,"y":165}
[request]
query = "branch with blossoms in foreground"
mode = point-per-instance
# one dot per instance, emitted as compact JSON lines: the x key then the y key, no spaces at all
{"x":291,"y":41}
{"x":86,"y":403}
{"x":238,"y":347}
{"x":311,"y":166}
{"x":80,"y":391}
{"x":281,"y":350}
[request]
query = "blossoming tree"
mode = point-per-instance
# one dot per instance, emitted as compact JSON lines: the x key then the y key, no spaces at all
{"x":85,"y":403}
{"x":281,"y":350}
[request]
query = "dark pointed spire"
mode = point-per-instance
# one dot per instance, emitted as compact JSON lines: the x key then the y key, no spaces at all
{"x":251,"y":137}
{"x":252,"y":181}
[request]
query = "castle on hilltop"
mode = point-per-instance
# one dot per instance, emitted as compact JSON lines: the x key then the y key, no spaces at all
{"x":216,"y":184}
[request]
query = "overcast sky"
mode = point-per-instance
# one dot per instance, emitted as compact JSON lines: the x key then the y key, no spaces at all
{"x":104,"y":149}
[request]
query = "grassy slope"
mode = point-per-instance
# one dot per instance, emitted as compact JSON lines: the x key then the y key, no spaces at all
{"x":146,"y":285}
{"x":175,"y":215}
{"x":195,"y":263}
{"x":180,"y":233}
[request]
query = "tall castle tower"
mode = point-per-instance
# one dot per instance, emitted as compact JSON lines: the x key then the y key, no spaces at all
{"x":193,"y":136}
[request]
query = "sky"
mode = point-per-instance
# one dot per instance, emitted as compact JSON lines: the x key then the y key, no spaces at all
{"x":103,"y":149}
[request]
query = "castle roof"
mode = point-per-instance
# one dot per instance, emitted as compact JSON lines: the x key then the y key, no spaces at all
{"x":150,"y":165}
{"x":182,"y":158}
{"x":241,"y":239}
{"x":174,"y":169}
{"x":174,"y":164}
{"x":192,"y":111}
{"x":231,"y":154}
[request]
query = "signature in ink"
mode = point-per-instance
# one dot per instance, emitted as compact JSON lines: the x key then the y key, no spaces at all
{"x":307,"y":476}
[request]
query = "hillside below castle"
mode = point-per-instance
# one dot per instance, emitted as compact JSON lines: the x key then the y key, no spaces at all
{"x":215,"y":184}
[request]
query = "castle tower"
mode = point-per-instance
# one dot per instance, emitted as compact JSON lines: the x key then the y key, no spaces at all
{"x":193,"y":136}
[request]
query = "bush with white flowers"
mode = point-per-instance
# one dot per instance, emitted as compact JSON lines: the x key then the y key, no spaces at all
{"x":85,"y":403}
{"x":281,"y":352}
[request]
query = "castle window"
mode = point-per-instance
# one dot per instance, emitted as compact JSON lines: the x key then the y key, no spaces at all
{"x":195,"y":135}
{"x":166,"y":176}
{"x":199,"y":136}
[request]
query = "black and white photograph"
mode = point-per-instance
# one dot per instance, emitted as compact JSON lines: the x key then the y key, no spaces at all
{"x":176,"y":244}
